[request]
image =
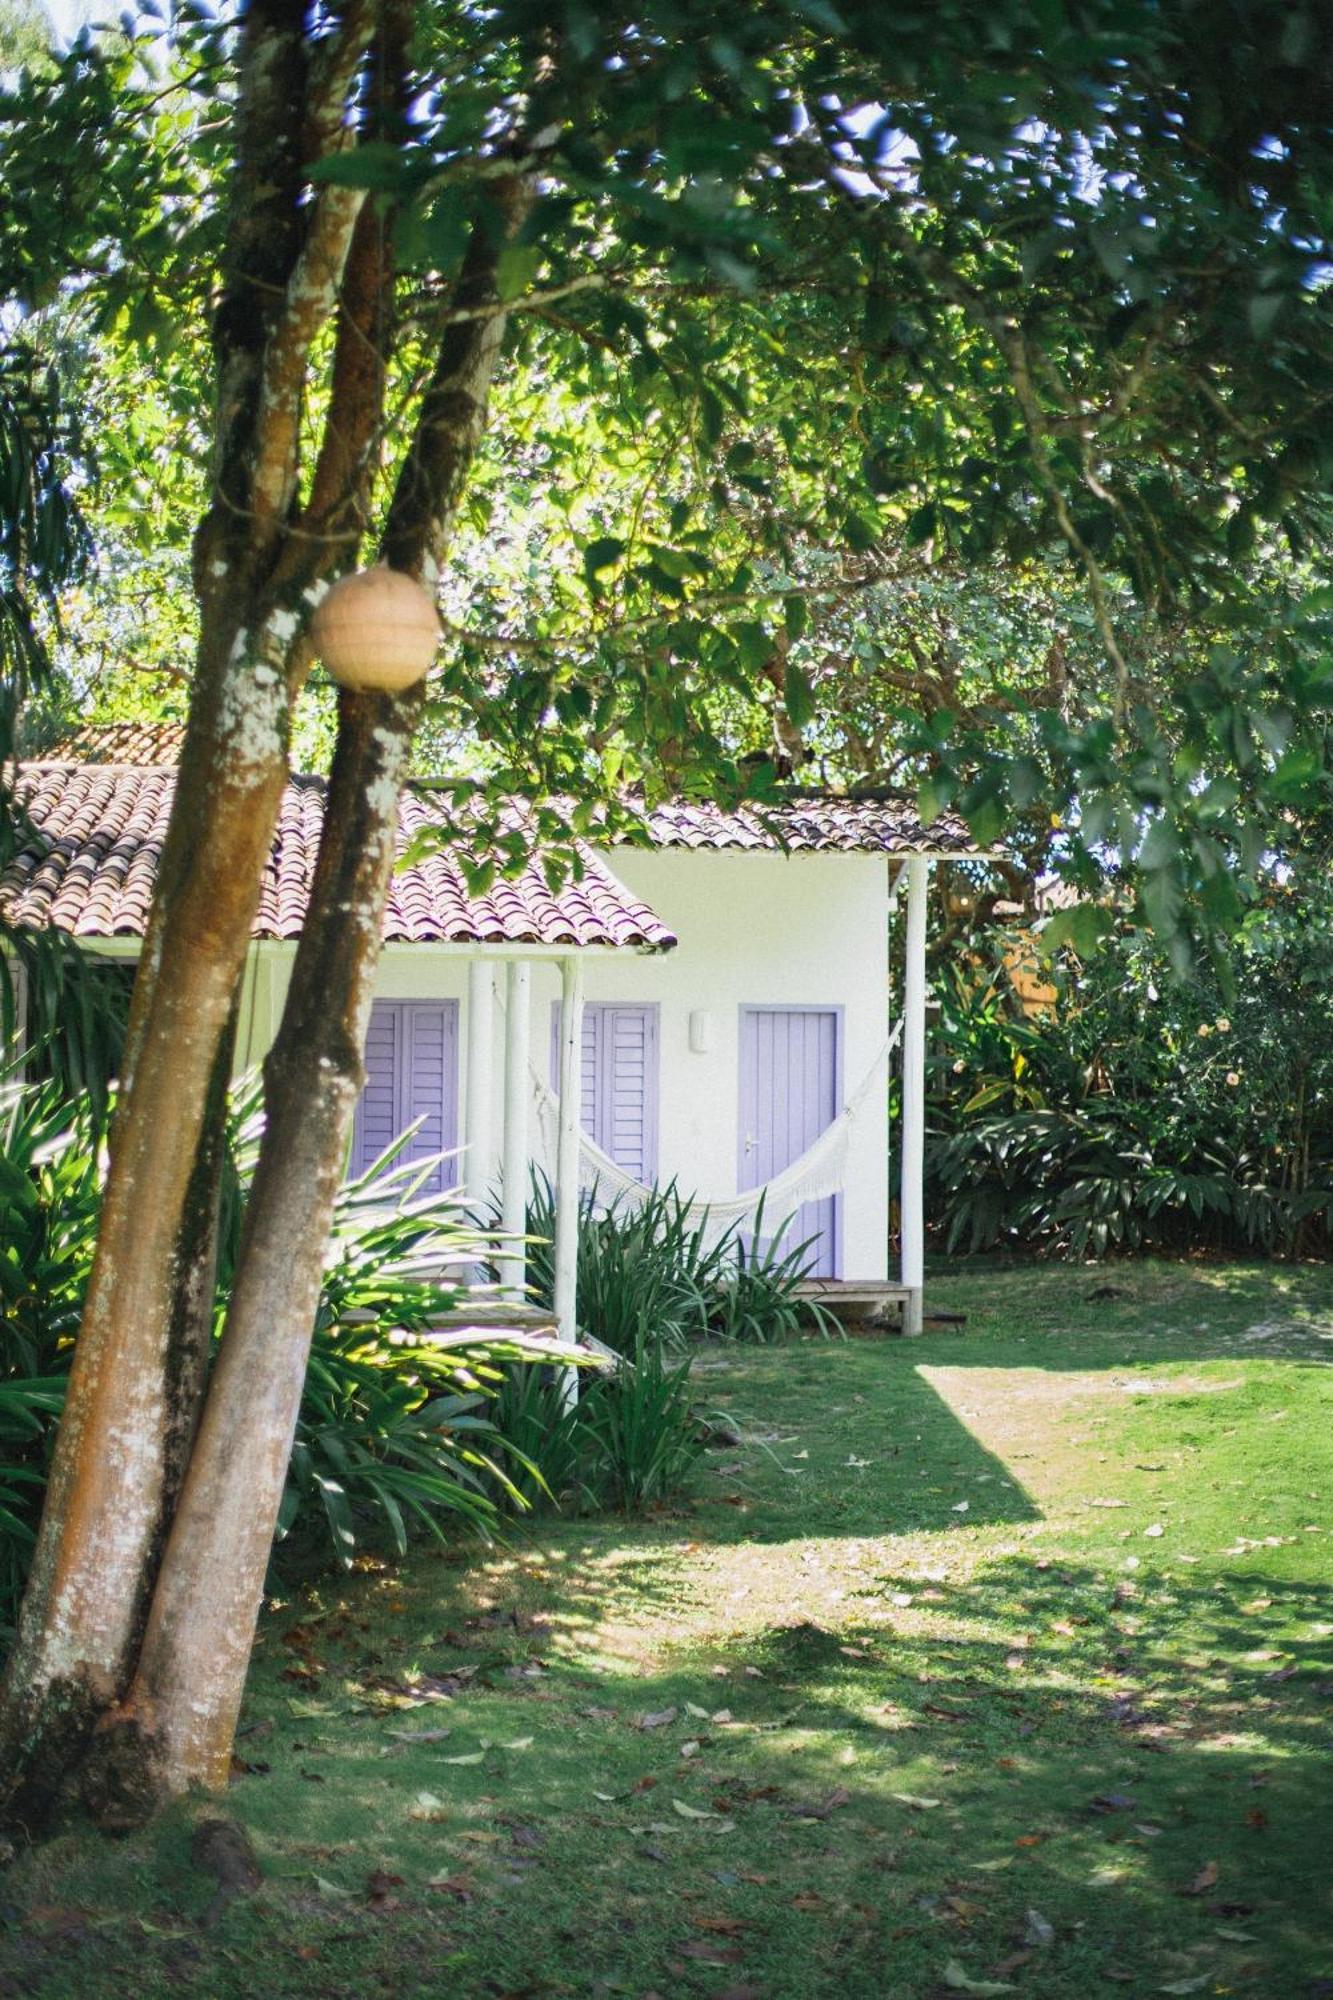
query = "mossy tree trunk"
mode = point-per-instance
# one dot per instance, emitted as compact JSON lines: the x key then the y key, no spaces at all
{"x":136,"y":1626}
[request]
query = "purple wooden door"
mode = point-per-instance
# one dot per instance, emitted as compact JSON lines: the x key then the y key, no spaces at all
{"x":788,"y":1096}
{"x":411,"y":1072}
{"x":619,"y":1096}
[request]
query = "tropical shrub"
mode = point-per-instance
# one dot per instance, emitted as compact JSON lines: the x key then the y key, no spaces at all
{"x":752,"y":1291}
{"x":1146,"y":1110}
{"x":49,"y":1193}
{"x":648,"y":1273}
{"x":640,"y":1434}
{"x":394,"y":1433}
{"x":643,"y":1270}
{"x":629,"y":1440}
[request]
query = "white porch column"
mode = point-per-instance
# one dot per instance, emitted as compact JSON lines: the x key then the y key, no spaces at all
{"x":912,"y":1192}
{"x":513,"y":1213}
{"x":479,"y":1157}
{"x":566,"y":1248}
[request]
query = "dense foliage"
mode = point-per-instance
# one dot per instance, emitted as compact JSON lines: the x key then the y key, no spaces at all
{"x":1141,"y":1110}
{"x":394,"y":1433}
{"x":650,"y":1273}
{"x":933,"y":390}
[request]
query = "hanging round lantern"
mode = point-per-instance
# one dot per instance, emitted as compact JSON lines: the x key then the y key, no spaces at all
{"x":376,"y":630}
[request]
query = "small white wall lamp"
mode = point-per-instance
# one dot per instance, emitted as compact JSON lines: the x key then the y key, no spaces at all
{"x":701,"y":1032}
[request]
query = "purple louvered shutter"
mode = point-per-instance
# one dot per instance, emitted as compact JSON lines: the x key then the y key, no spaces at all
{"x":619,"y":1082}
{"x":411,"y":1073}
{"x":788,"y":1096}
{"x":378,"y":1120}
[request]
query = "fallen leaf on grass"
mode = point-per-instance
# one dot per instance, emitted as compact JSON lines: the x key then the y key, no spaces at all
{"x":956,"y":1977}
{"x":697,"y":1812}
{"x":837,"y":1798}
{"x":1236,"y":1937}
{"x":461,"y":1887}
{"x":719,"y":1926}
{"x":1194,"y":1985}
{"x":419,"y":1735}
{"x":519,"y":1743}
{"x":657,"y":1718}
{"x":1112,"y":1802}
{"x":427,"y":1806}
{"x":711,"y":1954}
{"x":1205,"y":1880}
{"x":917,"y":1804}
{"x":469,"y":1757}
{"x":1038,"y":1931}
{"x":379,"y":1891}
{"x":327,"y":1888}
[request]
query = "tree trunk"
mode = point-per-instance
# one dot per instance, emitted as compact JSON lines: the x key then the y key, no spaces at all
{"x":194,"y":1292}
{"x":177,"y":1722}
{"x":122,"y":1424}
{"x":170,"y":1703}
{"x":127,"y":1424}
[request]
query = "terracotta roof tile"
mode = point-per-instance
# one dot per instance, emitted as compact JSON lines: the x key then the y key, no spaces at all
{"x":98,"y":833}
{"x":823,"y":823}
{"x":147,"y":744}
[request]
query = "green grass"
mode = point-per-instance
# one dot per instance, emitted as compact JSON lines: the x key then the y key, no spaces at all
{"x":902,"y":1589}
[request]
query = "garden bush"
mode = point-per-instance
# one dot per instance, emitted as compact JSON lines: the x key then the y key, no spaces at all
{"x":394,"y":1433}
{"x":628,"y":1441}
{"x":647,"y":1273}
{"x":1146,"y":1110}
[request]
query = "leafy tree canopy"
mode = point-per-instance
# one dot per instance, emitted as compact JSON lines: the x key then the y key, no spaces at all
{"x":942,"y":389}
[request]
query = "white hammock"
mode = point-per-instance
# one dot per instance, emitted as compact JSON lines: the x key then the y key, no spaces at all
{"x":819,"y":1171}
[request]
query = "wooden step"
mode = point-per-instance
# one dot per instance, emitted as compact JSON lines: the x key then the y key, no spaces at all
{"x":872,"y":1305}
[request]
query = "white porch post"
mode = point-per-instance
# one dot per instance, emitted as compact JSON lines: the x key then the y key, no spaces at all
{"x":912,"y":1192}
{"x":567,"y":1159}
{"x":479,"y":1158}
{"x":513,"y":1214}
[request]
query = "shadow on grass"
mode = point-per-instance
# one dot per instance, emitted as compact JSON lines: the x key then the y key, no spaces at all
{"x":865,"y":1806}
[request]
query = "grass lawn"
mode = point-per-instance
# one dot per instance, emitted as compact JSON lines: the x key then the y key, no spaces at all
{"x":1000,"y":1661}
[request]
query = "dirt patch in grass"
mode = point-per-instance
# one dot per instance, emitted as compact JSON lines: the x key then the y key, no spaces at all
{"x":999,"y":1660}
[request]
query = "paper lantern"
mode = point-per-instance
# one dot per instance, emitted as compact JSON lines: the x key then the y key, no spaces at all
{"x":376,"y":629}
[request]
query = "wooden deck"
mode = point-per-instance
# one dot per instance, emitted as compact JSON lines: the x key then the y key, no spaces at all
{"x":863,"y":1305}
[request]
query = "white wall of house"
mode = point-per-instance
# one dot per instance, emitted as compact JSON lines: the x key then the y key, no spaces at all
{"x":755,"y":929}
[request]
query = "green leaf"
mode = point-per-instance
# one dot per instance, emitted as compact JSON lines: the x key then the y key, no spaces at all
{"x":376,"y":163}
{"x":599,"y":557}
{"x":798,"y":696}
{"x":933,"y":795}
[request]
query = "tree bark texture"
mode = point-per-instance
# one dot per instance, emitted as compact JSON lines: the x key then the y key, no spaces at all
{"x":127,"y":1411}
{"x":155,"y":1656}
{"x":182,"y":1706}
{"x":177,"y":1724}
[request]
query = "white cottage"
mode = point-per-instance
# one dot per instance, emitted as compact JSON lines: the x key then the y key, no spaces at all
{"x":726,"y":992}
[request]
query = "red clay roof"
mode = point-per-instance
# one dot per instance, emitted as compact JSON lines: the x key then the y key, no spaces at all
{"x":817,"y":823}
{"x":98,"y":832}
{"x":141,"y":743}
